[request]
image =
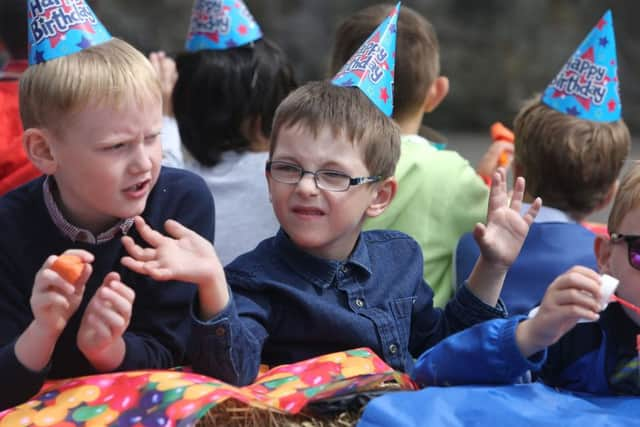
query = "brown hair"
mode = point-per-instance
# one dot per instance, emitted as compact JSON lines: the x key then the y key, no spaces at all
{"x":571,"y":163}
{"x":417,"y":53}
{"x":110,"y":72}
{"x":349,"y":113}
{"x":627,"y":198}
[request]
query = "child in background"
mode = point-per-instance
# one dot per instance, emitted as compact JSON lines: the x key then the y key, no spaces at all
{"x":322,"y":284}
{"x":224,"y":100}
{"x":433,"y":185}
{"x":571,"y":154}
{"x":599,"y":356}
{"x":91,"y":108}
{"x":15,"y":166}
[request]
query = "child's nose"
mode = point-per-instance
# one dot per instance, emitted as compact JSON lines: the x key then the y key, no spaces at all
{"x":142,"y":158}
{"x":307,"y":184}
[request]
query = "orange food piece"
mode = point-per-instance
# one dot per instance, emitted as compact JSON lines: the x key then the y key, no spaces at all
{"x":69,"y":267}
{"x":500,"y":132}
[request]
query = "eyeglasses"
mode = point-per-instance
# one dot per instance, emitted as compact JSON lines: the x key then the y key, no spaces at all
{"x":325,"y":179}
{"x":633,"y":247}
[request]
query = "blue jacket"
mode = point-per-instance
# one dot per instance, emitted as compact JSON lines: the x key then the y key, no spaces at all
{"x":550,"y":249}
{"x":289,"y":306}
{"x":583,"y":360}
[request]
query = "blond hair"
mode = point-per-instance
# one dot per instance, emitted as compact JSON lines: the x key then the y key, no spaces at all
{"x":571,"y":163}
{"x":112,"y":72}
{"x":349,"y":114}
{"x":627,"y":198}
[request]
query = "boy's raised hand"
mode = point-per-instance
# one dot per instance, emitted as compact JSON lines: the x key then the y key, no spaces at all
{"x":53,"y":299}
{"x":501,"y":239}
{"x":574,"y":295}
{"x":104,"y":322}
{"x":184,"y":256}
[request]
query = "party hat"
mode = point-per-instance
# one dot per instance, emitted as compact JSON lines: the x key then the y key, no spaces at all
{"x":61,"y":27}
{"x":587,"y":86}
{"x":221,"y":24}
{"x":371,"y":67}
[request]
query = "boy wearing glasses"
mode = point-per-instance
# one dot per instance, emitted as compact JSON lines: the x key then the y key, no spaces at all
{"x":322,"y":284}
{"x":598,"y":356}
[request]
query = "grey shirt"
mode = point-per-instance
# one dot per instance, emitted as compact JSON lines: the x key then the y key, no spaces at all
{"x":244,"y":216}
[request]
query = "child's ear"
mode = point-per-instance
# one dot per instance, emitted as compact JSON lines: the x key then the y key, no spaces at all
{"x":384,"y":194}
{"x":602,"y":249}
{"x":37,"y":145}
{"x":435,"y":95}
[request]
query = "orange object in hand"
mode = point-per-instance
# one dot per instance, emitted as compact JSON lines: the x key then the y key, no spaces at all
{"x":69,"y":267}
{"x":500,"y":132}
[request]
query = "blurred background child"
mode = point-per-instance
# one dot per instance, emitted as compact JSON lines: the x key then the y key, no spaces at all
{"x":440,"y":196}
{"x":224,"y":101}
{"x":570,"y":150}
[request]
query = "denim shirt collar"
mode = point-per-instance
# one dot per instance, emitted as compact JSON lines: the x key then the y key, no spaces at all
{"x":322,"y":272}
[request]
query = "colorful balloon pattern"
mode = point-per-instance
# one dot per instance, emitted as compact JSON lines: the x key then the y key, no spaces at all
{"x":178,"y":398}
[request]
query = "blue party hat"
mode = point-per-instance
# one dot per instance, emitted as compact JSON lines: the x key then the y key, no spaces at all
{"x":61,"y":27}
{"x":587,"y":86}
{"x":371,"y":67}
{"x":221,"y":24}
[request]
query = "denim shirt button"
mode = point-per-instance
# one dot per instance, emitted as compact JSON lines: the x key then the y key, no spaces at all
{"x":360,"y":302}
{"x":220,"y":331}
{"x":393,"y":348}
{"x":344,"y":269}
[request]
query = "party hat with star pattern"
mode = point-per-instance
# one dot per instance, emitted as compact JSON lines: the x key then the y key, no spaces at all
{"x":587,"y":86}
{"x":371,"y":67}
{"x":60,"y":28}
{"x":221,"y":24}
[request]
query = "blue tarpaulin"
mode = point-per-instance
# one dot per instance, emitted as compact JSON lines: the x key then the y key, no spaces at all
{"x":520,"y":405}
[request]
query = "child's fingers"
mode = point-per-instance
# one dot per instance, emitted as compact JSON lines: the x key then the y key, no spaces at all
{"x":149,"y":235}
{"x":517,"y":194}
{"x":86,"y":256}
{"x":533,"y":211}
{"x":123,"y":290}
{"x":177,"y":230}
{"x":133,"y":264}
{"x":96,"y":330}
{"x":53,"y":281}
{"x":113,"y":300}
{"x":136,"y":251}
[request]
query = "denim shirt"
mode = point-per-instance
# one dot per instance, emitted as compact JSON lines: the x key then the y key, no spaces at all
{"x":288,"y":306}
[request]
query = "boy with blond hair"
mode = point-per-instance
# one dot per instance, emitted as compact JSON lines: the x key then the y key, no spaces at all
{"x":92,"y":119}
{"x":440,"y":196}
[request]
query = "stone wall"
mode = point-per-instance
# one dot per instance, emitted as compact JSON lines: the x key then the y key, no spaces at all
{"x":495,"y":52}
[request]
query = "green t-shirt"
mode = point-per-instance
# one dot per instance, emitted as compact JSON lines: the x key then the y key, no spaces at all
{"x":439,"y":198}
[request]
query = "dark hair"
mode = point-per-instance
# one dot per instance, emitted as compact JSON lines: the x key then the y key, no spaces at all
{"x":13,"y":27}
{"x":348,"y":113}
{"x":571,"y":163}
{"x":218,"y":90}
{"x":417,"y":53}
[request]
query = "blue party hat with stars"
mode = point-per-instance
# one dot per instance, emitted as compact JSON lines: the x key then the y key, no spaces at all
{"x":587,"y":86}
{"x":221,"y":24}
{"x":61,"y":27}
{"x":371,"y":67}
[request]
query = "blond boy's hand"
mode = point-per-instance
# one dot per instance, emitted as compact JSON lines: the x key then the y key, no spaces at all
{"x":104,"y":322}
{"x":53,"y":299}
{"x":501,"y":239}
{"x":184,"y":256}
{"x":574,"y":295}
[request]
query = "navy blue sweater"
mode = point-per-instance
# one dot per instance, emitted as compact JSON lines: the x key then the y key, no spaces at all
{"x":159,"y":329}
